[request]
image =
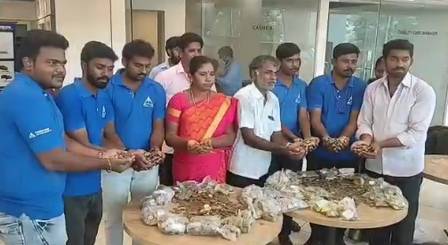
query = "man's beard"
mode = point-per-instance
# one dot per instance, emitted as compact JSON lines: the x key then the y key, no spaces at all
{"x":95,"y":81}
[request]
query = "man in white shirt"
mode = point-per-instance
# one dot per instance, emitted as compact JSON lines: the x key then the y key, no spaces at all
{"x":259,"y":133}
{"x":172,"y":48}
{"x":395,"y":116}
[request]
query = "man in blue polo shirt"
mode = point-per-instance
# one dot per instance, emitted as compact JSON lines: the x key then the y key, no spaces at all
{"x":290,"y":91}
{"x":334,"y":101}
{"x":33,"y":155}
{"x":139,"y":110}
{"x":88,"y":116}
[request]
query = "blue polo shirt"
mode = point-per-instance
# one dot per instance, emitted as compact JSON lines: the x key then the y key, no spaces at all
{"x":336,"y":106}
{"x":136,"y":112}
{"x":82,"y":109}
{"x":291,"y":100}
{"x":30,"y":124}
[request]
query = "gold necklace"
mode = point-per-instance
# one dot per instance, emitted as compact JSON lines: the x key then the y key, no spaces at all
{"x":192,"y":97}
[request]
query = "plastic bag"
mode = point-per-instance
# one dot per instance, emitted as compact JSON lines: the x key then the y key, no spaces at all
{"x":172,"y":224}
{"x":204,"y":226}
{"x":349,"y":209}
{"x":252,"y":192}
{"x":270,"y":208}
{"x":163,"y":195}
{"x":289,"y":204}
{"x":230,"y":232}
{"x":151,"y":215}
{"x":243,"y":221}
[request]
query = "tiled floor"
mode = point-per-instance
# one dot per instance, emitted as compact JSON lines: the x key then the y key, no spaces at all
{"x":432,"y":218}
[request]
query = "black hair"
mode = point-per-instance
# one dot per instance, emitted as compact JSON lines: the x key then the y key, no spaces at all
{"x":138,"y":47}
{"x":36,"y":39}
{"x":226,"y":51}
{"x":345,"y":48}
{"x":401,"y":44}
{"x":198,"y":61}
{"x":286,"y":50}
{"x":259,"y":61}
{"x":190,"y":37}
{"x":172,"y":42}
{"x":95,"y":49}
{"x":378,"y":61}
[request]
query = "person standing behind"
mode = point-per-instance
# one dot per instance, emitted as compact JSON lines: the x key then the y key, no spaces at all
{"x":260,"y":131}
{"x":139,"y":109}
{"x":87,"y":116}
{"x":290,"y":91}
{"x":380,"y":70}
{"x":33,"y":149}
{"x":395,"y":117}
{"x":172,"y":49}
{"x":231,"y":79}
{"x":175,"y":80}
{"x":334,"y":101}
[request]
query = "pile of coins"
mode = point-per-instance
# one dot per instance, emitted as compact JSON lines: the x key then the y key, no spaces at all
{"x":360,"y":149}
{"x":154,"y":156}
{"x":338,"y":144}
{"x":310,"y":144}
{"x":208,"y":203}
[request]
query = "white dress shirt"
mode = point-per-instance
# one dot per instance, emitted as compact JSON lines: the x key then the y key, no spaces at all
{"x":264,"y":119}
{"x":159,"y":68}
{"x":406,"y":116}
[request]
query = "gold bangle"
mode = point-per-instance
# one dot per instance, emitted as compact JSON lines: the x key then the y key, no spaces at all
{"x":110,"y":165}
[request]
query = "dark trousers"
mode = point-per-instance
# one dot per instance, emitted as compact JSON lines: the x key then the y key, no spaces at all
{"x":323,"y":234}
{"x":278,"y":163}
{"x":82,"y":218}
{"x":401,"y":233}
{"x":166,"y":171}
{"x":241,"y":182}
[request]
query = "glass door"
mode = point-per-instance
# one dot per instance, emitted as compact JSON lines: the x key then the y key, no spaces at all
{"x":371,"y":23}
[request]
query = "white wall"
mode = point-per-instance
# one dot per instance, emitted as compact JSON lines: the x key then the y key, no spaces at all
{"x":174,"y":14}
{"x":85,"y":20}
{"x":16,"y":10}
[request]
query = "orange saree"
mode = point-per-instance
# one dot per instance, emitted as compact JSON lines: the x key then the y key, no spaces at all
{"x":206,"y":119}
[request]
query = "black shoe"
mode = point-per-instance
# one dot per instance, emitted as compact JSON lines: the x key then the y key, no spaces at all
{"x":284,"y":240}
{"x":295,"y":227}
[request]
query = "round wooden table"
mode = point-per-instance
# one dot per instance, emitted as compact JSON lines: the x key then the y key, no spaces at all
{"x":369,"y":217}
{"x":436,"y":168}
{"x":262,"y":232}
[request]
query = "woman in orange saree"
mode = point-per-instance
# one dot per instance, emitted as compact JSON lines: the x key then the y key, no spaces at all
{"x":200,"y":126}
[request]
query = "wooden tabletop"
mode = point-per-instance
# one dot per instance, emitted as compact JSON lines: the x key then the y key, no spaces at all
{"x":436,"y":168}
{"x":262,"y":232}
{"x":369,"y":217}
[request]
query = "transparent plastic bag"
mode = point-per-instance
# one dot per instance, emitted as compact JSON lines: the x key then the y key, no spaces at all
{"x":163,"y":195}
{"x":173,"y":224}
{"x":244,"y":221}
{"x":204,"y":226}
{"x":230,"y":232}
{"x":270,"y":208}
{"x":151,"y":215}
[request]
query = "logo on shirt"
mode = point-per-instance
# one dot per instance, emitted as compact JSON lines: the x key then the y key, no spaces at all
{"x":148,"y":102}
{"x":103,"y":112}
{"x":298,"y":99}
{"x":350,"y":100}
{"x":39,"y":133}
